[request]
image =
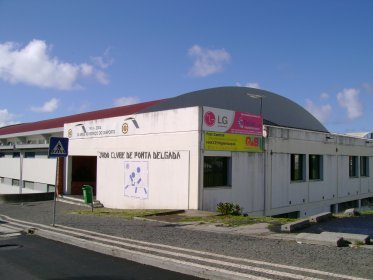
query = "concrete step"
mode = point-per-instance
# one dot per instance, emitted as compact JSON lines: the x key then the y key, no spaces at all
{"x":354,"y":239}
{"x":79,"y":201}
{"x":299,"y":224}
{"x":318,"y":239}
{"x":321,"y":217}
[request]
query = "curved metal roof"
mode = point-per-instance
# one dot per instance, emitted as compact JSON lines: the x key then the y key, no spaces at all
{"x":276,"y":110}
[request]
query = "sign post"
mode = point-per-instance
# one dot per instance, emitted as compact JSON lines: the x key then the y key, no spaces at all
{"x":58,"y":147}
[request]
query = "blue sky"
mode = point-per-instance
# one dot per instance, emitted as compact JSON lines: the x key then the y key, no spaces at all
{"x":65,"y":57}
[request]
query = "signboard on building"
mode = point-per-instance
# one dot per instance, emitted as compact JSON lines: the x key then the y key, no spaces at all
{"x":169,"y":121}
{"x":220,"y":120}
{"x":217,"y":141}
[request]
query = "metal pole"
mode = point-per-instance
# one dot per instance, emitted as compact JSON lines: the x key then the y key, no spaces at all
{"x":264,"y":161}
{"x":20,"y":172}
{"x":55,"y":194}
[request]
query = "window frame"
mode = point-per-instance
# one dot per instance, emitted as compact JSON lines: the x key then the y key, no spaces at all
{"x":353,"y":166}
{"x":364,"y":166}
{"x":318,"y":161}
{"x":210,"y":180}
{"x":297,"y":165}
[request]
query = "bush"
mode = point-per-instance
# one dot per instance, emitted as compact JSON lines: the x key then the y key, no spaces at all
{"x":228,"y":208}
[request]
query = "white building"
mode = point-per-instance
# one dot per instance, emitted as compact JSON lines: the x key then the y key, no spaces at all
{"x":196,"y":150}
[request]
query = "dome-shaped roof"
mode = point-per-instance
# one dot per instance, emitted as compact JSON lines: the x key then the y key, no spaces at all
{"x":276,"y":110}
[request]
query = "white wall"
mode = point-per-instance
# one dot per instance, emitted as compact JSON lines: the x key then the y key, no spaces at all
{"x":40,"y":170}
{"x":164,"y":182}
{"x":247,"y":183}
{"x":172,"y":183}
{"x":10,"y":167}
{"x":312,"y":196}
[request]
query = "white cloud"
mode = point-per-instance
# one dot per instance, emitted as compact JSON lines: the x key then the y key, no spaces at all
{"x":48,"y":107}
{"x":324,"y":96}
{"x":349,"y":99}
{"x":103,"y":61}
{"x":6,"y":118}
{"x":322,"y":112}
{"x":102,"y":78}
{"x":207,"y":61}
{"x":32,"y":65}
{"x":86,"y":69}
{"x":250,"y":85}
{"x":124,"y":101}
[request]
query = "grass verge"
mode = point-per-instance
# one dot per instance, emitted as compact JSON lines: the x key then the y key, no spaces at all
{"x":128,"y":214}
{"x":232,"y":221}
{"x":366,"y":212}
{"x":222,"y":220}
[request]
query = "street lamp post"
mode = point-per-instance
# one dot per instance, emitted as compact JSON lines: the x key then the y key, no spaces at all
{"x":260,"y":97}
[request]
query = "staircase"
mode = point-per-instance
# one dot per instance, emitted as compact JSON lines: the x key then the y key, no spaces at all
{"x":79,"y":200}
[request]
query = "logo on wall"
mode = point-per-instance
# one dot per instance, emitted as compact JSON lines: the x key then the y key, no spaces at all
{"x":136,"y":183}
{"x":125,"y":128}
{"x":70,"y":133}
{"x":209,"y":118}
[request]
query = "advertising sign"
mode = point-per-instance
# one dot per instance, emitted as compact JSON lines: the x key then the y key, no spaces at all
{"x":220,"y":120}
{"x":217,"y":141}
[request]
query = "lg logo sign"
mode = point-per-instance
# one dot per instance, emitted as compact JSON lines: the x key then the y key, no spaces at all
{"x":210,"y":119}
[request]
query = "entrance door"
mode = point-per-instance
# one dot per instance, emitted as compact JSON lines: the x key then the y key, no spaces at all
{"x":83,"y":172}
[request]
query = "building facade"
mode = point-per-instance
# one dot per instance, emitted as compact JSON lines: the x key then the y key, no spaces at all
{"x":193,"y":151}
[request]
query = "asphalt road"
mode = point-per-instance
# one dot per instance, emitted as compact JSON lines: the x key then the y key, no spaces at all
{"x":345,"y":260}
{"x":32,"y":257}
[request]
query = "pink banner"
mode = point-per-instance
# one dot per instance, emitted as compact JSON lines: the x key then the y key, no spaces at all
{"x":245,"y":123}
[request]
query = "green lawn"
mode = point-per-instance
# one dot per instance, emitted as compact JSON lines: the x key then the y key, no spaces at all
{"x":128,"y":214}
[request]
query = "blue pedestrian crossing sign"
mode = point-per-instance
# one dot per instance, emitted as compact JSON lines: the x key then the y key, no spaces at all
{"x":58,"y":147}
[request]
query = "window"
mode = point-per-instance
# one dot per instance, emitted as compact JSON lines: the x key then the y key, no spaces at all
{"x":28,"y":185}
{"x":2,"y":155}
{"x":364,"y":166}
{"x":16,"y":154}
{"x":29,"y":154}
{"x":297,"y":167}
{"x":353,"y":166}
{"x":15,"y":182}
{"x":217,"y":172}
{"x":315,"y":165}
{"x":50,"y":188}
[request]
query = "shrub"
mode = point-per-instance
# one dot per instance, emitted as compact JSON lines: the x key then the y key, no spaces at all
{"x":228,"y":208}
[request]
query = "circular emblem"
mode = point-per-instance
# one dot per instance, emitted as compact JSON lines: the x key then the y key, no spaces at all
{"x":125,"y":128}
{"x":209,"y":118}
{"x":70,"y":133}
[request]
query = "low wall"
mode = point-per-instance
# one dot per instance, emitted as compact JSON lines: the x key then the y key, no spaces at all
{"x":26,"y":197}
